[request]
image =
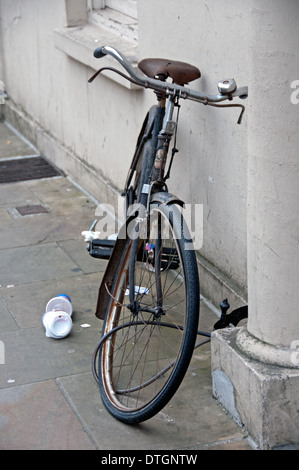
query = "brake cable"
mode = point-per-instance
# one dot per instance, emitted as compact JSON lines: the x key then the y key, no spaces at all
{"x":112,"y":70}
{"x":234,"y":105}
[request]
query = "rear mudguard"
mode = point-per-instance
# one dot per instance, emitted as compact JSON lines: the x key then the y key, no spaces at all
{"x":108,"y":278}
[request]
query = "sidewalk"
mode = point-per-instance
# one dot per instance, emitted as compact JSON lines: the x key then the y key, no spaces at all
{"x":48,"y":396}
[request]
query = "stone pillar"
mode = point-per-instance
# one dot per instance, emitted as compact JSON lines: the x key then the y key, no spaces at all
{"x":256,"y":368}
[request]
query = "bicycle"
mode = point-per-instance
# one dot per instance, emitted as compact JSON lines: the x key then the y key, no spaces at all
{"x":149,"y":296}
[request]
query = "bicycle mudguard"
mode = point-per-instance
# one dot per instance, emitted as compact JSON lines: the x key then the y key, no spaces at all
{"x":107,"y":281}
{"x":144,"y":135}
{"x":166,"y":198}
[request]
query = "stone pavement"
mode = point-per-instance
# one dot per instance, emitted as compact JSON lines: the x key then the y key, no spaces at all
{"x":48,"y":396}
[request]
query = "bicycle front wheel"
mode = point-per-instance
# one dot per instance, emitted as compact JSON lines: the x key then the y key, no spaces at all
{"x":150,"y":341}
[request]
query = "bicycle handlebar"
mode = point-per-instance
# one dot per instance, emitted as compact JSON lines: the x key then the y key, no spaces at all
{"x":168,"y":88}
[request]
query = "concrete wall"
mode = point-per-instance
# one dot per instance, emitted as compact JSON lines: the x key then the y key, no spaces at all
{"x":90,"y":130}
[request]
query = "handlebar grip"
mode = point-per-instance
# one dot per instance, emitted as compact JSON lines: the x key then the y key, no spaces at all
{"x":98,"y":53}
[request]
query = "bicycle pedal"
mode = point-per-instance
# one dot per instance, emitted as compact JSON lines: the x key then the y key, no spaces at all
{"x":100,"y":249}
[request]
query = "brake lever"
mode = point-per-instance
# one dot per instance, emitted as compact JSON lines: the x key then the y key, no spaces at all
{"x":232,"y":105}
{"x":113,"y":70}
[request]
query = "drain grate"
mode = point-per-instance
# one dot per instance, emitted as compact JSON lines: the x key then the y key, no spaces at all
{"x":30,"y":210}
{"x":24,"y":169}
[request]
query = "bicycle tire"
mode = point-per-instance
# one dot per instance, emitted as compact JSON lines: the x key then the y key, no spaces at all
{"x":131,"y":391}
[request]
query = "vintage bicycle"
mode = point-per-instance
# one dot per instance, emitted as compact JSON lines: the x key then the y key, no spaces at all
{"x":149,"y":297}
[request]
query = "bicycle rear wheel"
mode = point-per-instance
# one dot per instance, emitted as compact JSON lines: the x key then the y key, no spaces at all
{"x":150,"y":343}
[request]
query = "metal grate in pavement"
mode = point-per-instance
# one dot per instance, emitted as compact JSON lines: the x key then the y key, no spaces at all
{"x":31,"y":210}
{"x":26,"y":169}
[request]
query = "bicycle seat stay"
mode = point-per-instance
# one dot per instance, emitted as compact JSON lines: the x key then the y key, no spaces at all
{"x":181,"y":72}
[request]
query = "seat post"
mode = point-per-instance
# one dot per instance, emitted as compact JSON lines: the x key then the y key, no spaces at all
{"x":161,"y":96}
{"x":168,"y":116}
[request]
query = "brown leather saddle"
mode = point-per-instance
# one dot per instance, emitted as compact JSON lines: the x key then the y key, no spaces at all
{"x":181,"y":72}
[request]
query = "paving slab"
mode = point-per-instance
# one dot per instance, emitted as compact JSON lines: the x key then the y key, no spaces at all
{"x":32,"y":357}
{"x":7,"y":321}
{"x":76,"y":249}
{"x":13,"y":194}
{"x":13,"y":144}
{"x":34,"y":263}
{"x":65,"y":219}
{"x":82,"y":290}
{"x":37,"y":417}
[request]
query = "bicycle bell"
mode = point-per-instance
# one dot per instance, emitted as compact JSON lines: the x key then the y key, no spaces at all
{"x":227,"y":86}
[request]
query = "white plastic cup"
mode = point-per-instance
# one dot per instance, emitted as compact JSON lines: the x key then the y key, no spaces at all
{"x":62,"y":303}
{"x":58,"y":324}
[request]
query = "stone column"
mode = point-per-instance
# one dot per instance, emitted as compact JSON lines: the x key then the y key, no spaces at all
{"x":256,"y":368}
{"x":273,"y":184}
